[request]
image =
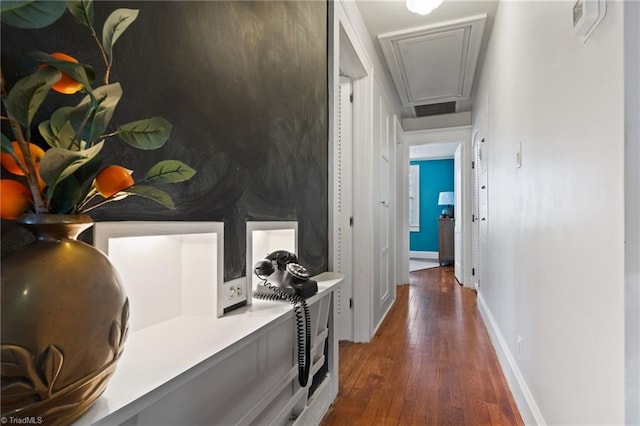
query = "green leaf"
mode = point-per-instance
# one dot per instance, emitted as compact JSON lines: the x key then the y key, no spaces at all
{"x":47,"y":133}
{"x":60,"y":117}
{"x":150,"y":133}
{"x":66,"y":136}
{"x":114,"y":26}
{"x":59,"y":163}
{"x":83,"y":74}
{"x":85,"y":176}
{"x":27,"y":95}
{"x":152,"y":193}
{"x":31,"y":14}
{"x":6,"y":145}
{"x":66,"y":196}
{"x":58,"y":138}
{"x":58,"y":131}
{"x":99,"y":119}
{"x":82,"y":10}
{"x":57,"y":135}
{"x":87,"y":172}
{"x":169,"y":171}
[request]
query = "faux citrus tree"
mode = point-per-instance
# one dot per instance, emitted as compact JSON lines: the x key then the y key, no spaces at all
{"x":69,"y":177}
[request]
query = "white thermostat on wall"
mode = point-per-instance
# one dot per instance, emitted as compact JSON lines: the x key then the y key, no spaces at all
{"x":587,"y":14}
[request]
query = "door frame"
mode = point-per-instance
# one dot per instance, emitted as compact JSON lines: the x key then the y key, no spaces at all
{"x":458,"y":224}
{"x":349,"y":56}
{"x":402,"y":206}
{"x":461,"y":134}
{"x":341,"y":215}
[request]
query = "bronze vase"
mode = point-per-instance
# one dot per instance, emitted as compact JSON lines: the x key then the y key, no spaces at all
{"x":64,"y":323}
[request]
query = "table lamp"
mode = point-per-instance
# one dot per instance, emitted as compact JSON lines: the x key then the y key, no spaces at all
{"x":446,"y":199}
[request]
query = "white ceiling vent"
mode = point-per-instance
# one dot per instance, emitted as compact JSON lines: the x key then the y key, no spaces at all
{"x":434,"y":63}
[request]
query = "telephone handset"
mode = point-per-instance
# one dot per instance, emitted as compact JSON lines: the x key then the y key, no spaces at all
{"x":284,"y":279}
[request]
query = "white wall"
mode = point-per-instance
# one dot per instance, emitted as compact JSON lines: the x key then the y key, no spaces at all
{"x":555,"y":259}
{"x":632,"y":210}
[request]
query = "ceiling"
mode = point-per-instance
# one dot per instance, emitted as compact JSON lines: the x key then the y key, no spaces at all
{"x":440,"y":61}
{"x":433,"y":151}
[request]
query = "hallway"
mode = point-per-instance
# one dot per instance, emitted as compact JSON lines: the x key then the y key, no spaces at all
{"x":430,"y":363}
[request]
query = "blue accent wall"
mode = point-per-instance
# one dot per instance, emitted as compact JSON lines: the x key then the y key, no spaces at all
{"x":436,"y":176}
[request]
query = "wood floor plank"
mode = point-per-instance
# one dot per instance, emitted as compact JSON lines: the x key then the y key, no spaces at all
{"x":430,"y":363}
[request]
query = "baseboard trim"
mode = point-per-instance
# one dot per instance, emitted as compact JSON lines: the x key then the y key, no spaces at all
{"x":432,"y":255}
{"x":527,"y":406}
{"x":386,"y":312}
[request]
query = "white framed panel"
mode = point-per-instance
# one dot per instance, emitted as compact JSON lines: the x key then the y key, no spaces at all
{"x":265,"y":237}
{"x":434,"y":50}
{"x":168,"y":269}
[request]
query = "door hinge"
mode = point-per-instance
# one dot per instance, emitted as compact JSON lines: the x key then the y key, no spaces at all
{"x":351,"y":221}
{"x":351,"y":97}
{"x":473,"y":218}
{"x":482,"y":140}
{"x":350,"y":303}
{"x":473,"y":271}
{"x":473,"y":164}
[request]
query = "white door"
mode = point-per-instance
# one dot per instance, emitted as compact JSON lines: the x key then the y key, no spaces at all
{"x":343,"y":209}
{"x":384,"y":207}
{"x":457,"y":227}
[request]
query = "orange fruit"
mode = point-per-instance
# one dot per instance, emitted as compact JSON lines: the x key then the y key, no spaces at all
{"x":66,"y":84}
{"x":113,"y":179}
{"x":15,"y":199}
{"x":10,"y":164}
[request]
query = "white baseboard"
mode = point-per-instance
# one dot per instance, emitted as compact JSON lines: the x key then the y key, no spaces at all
{"x":433,"y":255}
{"x":377,"y":326}
{"x":531,"y":414}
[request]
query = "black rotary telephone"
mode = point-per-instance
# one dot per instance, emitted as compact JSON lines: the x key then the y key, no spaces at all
{"x":282,"y":271}
{"x":284,"y":279}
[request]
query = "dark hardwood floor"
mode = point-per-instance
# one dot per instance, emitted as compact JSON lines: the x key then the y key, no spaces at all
{"x":430,"y":363}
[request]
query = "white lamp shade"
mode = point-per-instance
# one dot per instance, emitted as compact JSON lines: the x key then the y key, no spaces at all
{"x":446,"y":199}
{"x":423,"y":7}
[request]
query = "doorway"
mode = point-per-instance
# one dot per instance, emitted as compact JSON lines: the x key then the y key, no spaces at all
{"x":444,"y":143}
{"x":351,"y":231}
{"x":432,"y":174}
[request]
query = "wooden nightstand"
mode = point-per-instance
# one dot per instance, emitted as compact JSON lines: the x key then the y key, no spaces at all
{"x":445,"y":240}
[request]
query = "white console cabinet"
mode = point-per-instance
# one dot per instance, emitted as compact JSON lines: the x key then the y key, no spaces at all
{"x":237,"y":369}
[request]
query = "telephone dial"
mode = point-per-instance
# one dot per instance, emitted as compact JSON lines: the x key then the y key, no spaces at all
{"x":283,"y":278}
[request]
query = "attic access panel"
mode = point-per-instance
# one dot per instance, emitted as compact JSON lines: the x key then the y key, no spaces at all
{"x":434,"y":63}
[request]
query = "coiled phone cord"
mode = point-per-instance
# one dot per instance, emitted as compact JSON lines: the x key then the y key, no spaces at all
{"x":303,"y":335}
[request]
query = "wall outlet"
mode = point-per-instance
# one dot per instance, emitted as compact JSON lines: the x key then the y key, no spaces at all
{"x":519,"y":346}
{"x":233,"y":292}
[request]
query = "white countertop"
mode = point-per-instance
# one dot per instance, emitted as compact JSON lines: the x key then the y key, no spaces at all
{"x":158,"y":359}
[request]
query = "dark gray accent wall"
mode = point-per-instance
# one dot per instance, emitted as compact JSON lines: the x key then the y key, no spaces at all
{"x":245,"y":86}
